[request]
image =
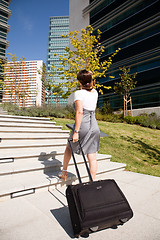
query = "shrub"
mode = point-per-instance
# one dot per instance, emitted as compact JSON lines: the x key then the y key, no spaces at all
{"x":69,"y":112}
{"x":145,"y":120}
{"x":43,"y":111}
{"x":106,"y":108}
{"x":108,"y":117}
{"x":130,"y":119}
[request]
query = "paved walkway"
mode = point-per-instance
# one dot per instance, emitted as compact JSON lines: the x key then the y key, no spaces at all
{"x":45,"y":216}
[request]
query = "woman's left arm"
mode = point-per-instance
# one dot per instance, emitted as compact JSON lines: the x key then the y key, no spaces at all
{"x":78,"y":119}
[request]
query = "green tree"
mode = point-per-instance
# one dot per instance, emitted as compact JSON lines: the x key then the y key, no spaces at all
{"x":48,"y":79}
{"x":44,"y":76}
{"x":85,"y":53}
{"x":124,"y":87}
{"x":58,"y":92}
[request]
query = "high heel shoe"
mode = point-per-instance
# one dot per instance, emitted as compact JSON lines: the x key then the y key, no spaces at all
{"x":63,"y":175}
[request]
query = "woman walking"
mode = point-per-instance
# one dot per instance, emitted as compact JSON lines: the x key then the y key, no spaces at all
{"x":85,"y":128}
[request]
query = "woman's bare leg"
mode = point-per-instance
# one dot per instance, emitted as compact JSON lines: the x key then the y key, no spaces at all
{"x":92,"y":164}
{"x":67,"y":157}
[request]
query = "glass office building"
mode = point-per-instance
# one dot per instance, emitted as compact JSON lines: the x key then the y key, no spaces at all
{"x":4,"y":29}
{"x":59,"y":25}
{"x":132,"y":26}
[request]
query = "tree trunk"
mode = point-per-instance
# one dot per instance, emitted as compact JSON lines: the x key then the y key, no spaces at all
{"x":126,"y":104}
{"x":51,"y":95}
{"x":44,"y":96}
{"x":131,"y":106}
{"x":124,"y":111}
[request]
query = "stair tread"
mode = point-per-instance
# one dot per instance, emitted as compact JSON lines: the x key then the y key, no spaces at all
{"x":40,"y":163}
{"x":22,"y":137}
{"x":26,"y":144}
{"x":32,"y":130}
{"x":19,"y":182}
{"x":25,"y":117}
{"x":16,"y":120}
{"x":22,"y":126}
{"x":32,"y":151}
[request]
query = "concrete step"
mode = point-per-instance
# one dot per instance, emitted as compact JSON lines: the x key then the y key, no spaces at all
{"x":32,"y":181}
{"x":24,"y":117}
{"x":32,"y":133}
{"x":103,"y":173}
{"x":21,"y":140}
{"x":30,"y":142}
{"x":21,"y":120}
{"x":40,"y":163}
{"x":39,"y":127}
{"x":6,"y":123}
{"x":54,"y":149}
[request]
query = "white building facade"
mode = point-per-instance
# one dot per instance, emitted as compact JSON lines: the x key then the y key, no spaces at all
{"x":77,"y":19}
{"x":23,"y":83}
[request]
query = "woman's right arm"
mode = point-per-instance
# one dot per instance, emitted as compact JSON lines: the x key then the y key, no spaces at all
{"x":78,"y":119}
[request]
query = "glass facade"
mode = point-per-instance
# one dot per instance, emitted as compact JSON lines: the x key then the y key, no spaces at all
{"x":4,"y":29}
{"x":58,"y":26}
{"x":132,"y":26}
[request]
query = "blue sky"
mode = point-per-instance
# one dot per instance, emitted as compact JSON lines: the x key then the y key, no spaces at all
{"x":29,"y":26}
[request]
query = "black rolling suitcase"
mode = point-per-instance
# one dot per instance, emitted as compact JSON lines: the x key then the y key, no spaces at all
{"x":96,"y":205}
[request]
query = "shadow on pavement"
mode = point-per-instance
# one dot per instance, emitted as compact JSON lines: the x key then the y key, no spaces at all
{"x":62,"y":216}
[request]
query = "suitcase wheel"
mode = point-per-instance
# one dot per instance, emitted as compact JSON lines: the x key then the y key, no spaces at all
{"x":77,"y":236}
{"x":94,"y":229}
{"x":123,"y":220}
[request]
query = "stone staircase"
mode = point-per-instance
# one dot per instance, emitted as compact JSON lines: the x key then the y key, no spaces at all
{"x":31,"y":155}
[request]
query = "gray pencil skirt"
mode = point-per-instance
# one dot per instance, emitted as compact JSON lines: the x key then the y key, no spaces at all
{"x":89,"y":134}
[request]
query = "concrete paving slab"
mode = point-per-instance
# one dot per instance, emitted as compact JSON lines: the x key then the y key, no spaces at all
{"x":147,"y":207}
{"x":28,"y":223}
{"x":45,"y":215}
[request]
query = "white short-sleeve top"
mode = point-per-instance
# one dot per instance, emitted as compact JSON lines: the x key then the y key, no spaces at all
{"x":89,"y":99}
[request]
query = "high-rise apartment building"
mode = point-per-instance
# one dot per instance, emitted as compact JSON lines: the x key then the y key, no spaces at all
{"x":23,"y":83}
{"x":58,"y":25}
{"x":132,"y":26}
{"x":4,"y":29}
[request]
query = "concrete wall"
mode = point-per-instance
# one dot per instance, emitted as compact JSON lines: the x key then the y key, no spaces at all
{"x":139,"y":111}
{"x":76,"y":20}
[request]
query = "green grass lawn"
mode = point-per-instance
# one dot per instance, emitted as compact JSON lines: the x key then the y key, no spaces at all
{"x":137,"y":146}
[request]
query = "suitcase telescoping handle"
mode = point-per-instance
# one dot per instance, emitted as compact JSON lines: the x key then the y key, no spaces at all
{"x":75,"y":163}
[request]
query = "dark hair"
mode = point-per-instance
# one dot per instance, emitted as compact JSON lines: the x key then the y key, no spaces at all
{"x":85,"y":78}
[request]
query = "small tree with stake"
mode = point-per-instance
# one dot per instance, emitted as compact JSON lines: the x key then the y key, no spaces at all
{"x":124,"y":87}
